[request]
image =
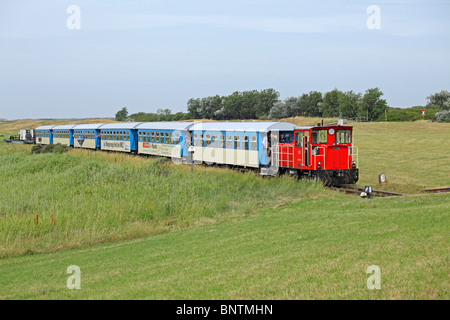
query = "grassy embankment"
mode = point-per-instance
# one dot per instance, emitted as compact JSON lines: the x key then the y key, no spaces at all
{"x":86,"y":197}
{"x":317,"y":248}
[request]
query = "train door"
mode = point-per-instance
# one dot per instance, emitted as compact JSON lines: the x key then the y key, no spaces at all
{"x":298,"y":150}
{"x":306,"y":149}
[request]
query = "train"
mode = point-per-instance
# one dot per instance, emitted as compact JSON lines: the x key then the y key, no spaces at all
{"x":324,"y":152}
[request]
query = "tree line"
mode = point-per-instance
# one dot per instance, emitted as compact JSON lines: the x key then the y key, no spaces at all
{"x":265,"y":104}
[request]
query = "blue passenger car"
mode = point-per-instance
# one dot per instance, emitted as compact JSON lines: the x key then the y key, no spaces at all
{"x":168,"y":139}
{"x":119,"y":137}
{"x":44,"y":135}
{"x":87,"y":136}
{"x":243,"y":144}
{"x":63,"y":134}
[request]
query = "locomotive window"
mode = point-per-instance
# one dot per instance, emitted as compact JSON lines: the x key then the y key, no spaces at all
{"x":298,"y":139}
{"x":221,"y":141}
{"x":319,"y":136}
{"x":237,"y":142}
{"x":245,"y":142}
{"x":253,"y":143}
{"x":229,"y":141}
{"x":343,"y":136}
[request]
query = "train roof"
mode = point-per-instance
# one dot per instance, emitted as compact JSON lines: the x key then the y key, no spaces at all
{"x":90,"y":126}
{"x":120,"y":125}
{"x":63,"y":127}
{"x":165,"y":125}
{"x":44,"y":128}
{"x":243,"y":126}
{"x":325,"y":126}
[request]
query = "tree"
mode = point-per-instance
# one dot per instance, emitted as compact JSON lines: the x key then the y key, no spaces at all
{"x":443,"y":115}
{"x":292,"y":106}
{"x":349,"y":104}
{"x":194,"y":108}
{"x":278,"y":111}
{"x":122,"y":114}
{"x":310,"y":104}
{"x":440,"y":100}
{"x":330,"y":106}
{"x":372,"y":104}
{"x":164,"y":114}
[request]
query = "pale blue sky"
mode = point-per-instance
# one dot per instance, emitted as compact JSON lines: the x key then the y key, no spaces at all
{"x":147,"y":55}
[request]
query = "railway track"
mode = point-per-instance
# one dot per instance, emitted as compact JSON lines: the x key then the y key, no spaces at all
{"x":374,"y":193}
{"x":438,"y":189}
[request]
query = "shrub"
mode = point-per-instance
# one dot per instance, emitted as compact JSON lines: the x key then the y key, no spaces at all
{"x":443,"y":116}
{"x":36,"y":148}
{"x":50,"y":148}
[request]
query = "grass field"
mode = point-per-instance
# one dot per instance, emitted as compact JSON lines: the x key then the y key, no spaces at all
{"x":301,"y":251}
{"x":144,"y":228}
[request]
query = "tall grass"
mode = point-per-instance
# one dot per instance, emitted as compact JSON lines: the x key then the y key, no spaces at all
{"x":59,"y":201}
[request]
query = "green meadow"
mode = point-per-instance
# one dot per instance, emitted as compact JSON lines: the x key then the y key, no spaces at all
{"x":145,"y":228}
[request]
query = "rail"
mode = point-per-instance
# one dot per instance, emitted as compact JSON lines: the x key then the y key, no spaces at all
{"x":375,"y":193}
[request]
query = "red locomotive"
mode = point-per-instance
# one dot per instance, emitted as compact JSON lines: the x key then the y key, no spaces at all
{"x":322,"y":151}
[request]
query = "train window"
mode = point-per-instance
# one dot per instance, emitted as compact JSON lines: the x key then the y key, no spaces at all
{"x":201,"y":141}
{"x":319,"y":136}
{"x":172,"y":138}
{"x":214,"y":141}
{"x":177,"y":138}
{"x":229,"y":141}
{"x":140,"y":136}
{"x":298,"y":139}
{"x":195,"y":139}
{"x":153,"y":136}
{"x":343,"y":136}
{"x":221,"y":141}
{"x":245,"y":142}
{"x":237,"y":142}
{"x":167,"y":137}
{"x":207,"y":140}
{"x":253,"y":145}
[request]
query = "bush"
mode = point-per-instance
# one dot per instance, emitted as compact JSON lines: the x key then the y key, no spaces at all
{"x":443,"y":116}
{"x":36,"y":148}
{"x":50,"y":148}
{"x":409,"y":114}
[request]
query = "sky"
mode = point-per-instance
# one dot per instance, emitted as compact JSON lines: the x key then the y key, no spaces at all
{"x":84,"y":59}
